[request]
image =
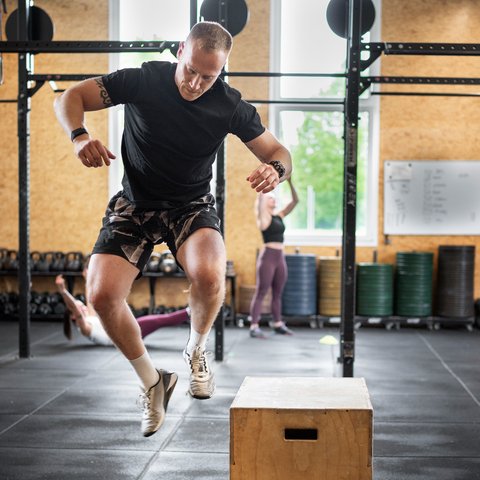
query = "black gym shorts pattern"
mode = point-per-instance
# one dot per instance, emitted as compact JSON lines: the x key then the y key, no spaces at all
{"x":132,"y":233}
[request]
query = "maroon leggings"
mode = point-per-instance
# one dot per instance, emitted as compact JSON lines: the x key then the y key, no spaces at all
{"x":150,"y":323}
{"x":271,"y":272}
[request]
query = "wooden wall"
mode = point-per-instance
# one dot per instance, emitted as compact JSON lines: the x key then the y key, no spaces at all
{"x":68,"y":200}
{"x":429,"y":128}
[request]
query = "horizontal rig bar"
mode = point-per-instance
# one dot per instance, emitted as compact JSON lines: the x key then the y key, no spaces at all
{"x":299,"y":102}
{"x":423,"y":80}
{"x":59,"y":77}
{"x":63,"y":77}
{"x":423,"y":48}
{"x":426,"y":94}
{"x":68,"y":77}
{"x":281,"y":74}
{"x":87,"y":46}
{"x":79,"y":76}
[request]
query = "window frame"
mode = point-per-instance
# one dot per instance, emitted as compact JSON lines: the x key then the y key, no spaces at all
{"x":371,"y":104}
{"x":115,"y":171}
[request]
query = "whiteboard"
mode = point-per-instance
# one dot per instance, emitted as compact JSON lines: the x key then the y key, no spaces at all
{"x":432,"y":197}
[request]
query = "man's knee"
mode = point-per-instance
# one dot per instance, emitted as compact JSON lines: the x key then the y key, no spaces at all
{"x":103,"y":301}
{"x":210,"y":281}
{"x":109,"y":280}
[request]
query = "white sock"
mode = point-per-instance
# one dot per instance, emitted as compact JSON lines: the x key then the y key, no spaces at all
{"x":196,"y":340}
{"x":145,"y":370}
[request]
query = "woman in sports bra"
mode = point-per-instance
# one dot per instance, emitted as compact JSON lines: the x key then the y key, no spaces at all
{"x":88,"y":322}
{"x":271,"y":265}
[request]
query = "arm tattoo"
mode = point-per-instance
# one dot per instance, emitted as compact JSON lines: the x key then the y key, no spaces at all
{"x":103,"y":93}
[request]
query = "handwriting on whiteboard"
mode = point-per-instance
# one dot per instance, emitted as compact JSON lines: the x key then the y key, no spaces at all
{"x":440,"y":197}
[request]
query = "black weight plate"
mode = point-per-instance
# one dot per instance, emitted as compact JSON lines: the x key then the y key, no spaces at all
{"x":337,"y":16}
{"x":236,"y":14}
{"x":40,"y":23}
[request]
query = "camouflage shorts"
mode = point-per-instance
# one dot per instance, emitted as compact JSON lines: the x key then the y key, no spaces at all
{"x":132,"y":233}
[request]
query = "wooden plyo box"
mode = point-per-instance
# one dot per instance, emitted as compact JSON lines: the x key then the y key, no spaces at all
{"x":301,"y":428}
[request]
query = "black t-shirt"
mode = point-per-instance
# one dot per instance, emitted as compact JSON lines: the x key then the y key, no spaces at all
{"x":169,"y":144}
{"x":274,"y":232}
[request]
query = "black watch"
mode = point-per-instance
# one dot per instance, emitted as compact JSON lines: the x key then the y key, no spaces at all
{"x":76,"y":133}
{"x":278,"y":167}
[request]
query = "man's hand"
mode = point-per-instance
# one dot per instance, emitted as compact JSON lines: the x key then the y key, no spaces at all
{"x":264,"y":178}
{"x":92,"y":153}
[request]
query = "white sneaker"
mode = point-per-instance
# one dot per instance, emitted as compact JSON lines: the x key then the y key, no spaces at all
{"x":202,"y":382}
{"x":154,"y":402}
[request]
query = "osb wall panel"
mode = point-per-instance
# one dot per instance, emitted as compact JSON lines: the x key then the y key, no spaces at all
{"x":428,"y":128}
{"x":8,"y":150}
{"x":67,"y":200}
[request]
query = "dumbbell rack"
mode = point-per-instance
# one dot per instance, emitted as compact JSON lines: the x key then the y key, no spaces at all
{"x":153,"y":276}
{"x":69,"y":276}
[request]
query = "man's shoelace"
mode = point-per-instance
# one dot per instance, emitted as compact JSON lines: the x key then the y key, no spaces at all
{"x":144,"y":400}
{"x":198,"y":364}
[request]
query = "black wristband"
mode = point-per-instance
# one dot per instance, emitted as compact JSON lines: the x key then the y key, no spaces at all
{"x":76,"y":133}
{"x":278,"y":167}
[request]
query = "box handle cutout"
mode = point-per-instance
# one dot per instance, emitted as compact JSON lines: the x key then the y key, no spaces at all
{"x":301,"y":434}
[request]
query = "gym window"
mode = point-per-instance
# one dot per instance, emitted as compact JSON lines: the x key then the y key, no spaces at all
{"x":302,"y":41}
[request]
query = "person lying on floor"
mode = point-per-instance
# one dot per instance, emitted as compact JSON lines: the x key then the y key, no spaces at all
{"x":89,"y":325}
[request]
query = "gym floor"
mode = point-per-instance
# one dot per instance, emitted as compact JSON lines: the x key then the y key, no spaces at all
{"x":69,"y":411}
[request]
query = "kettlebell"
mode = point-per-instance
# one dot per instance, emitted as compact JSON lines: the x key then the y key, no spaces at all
{"x":168,"y":263}
{"x":59,"y":308}
{"x":34,"y":258}
{"x":43,"y":263}
{"x":39,"y":262}
{"x":3,"y":255}
{"x":10,"y":262}
{"x":44,"y":308}
{"x":153,"y":263}
{"x":11,"y":306}
{"x":74,"y":261}
{"x":58,"y":262}
{"x":55,"y":298}
{"x":33,"y":307}
{"x":36,"y":297}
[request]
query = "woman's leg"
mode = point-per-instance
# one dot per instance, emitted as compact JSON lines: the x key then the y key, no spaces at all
{"x":278,"y":283}
{"x":150,"y":323}
{"x":265,"y":272}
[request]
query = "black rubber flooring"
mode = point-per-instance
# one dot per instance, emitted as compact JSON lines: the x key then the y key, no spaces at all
{"x":69,"y":412}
